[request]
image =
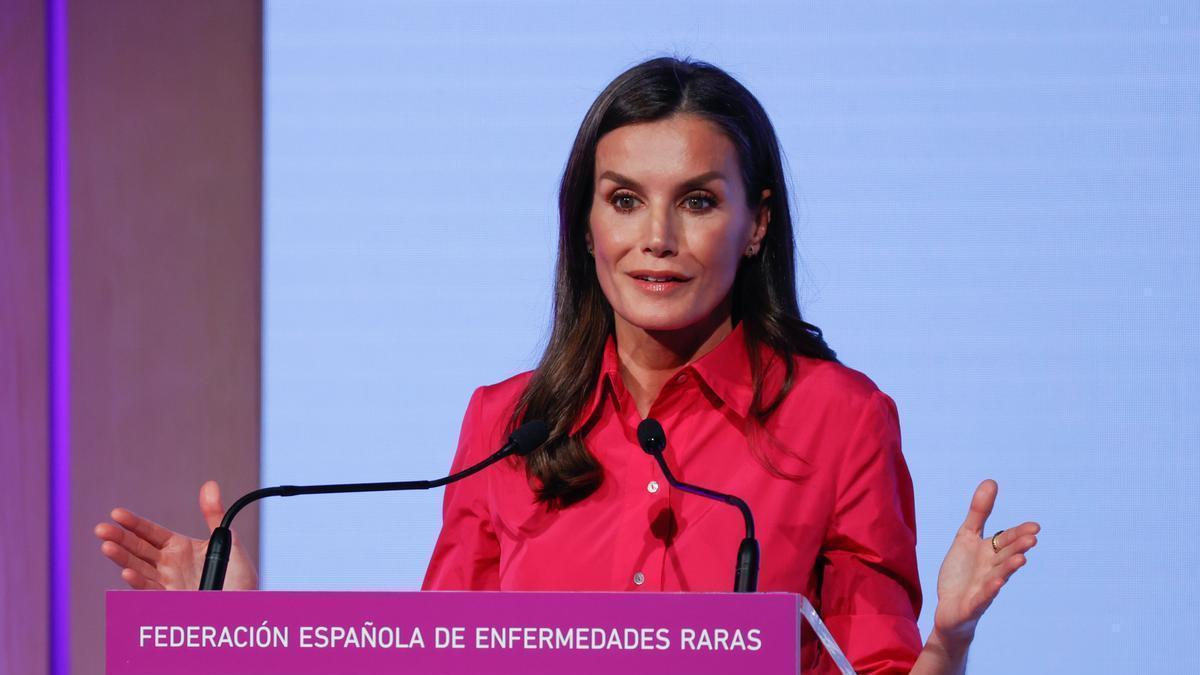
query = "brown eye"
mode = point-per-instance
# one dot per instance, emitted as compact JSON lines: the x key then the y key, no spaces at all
{"x":623,"y":201}
{"x":699,"y":202}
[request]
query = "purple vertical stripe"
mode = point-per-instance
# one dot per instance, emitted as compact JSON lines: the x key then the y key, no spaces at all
{"x":59,"y":312}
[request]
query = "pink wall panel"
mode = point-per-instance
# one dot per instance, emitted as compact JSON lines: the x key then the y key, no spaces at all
{"x":23,"y":376}
{"x":165,"y":203}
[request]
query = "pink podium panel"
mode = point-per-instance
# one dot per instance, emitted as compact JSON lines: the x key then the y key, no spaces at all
{"x":302,"y":633}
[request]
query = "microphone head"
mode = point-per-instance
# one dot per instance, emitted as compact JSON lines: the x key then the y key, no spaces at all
{"x":529,"y":436}
{"x":651,"y":436}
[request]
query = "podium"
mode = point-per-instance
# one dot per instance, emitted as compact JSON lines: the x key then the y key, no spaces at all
{"x":310,"y":632}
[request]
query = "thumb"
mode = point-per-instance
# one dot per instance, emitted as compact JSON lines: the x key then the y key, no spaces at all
{"x":981,"y":507}
{"x":210,"y":504}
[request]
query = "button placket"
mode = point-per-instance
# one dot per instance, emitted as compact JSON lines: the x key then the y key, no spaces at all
{"x":647,"y":573}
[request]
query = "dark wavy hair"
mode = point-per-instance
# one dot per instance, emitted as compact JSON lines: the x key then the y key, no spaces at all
{"x":563,"y":471}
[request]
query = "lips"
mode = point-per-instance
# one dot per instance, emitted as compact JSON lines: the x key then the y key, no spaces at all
{"x":659,"y":277}
{"x":659,"y":283}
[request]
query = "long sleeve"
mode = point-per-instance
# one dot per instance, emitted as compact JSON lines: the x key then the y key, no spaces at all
{"x":467,"y":553}
{"x":870,"y":591}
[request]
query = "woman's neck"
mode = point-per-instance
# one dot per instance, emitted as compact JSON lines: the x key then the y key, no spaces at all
{"x":649,"y":359}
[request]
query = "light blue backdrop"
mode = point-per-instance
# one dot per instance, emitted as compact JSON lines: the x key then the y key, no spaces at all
{"x":997,"y":208}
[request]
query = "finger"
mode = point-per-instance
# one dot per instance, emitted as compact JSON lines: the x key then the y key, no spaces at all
{"x":996,"y":580}
{"x":152,"y":532}
{"x":1012,"y":534}
{"x":1011,"y":565}
{"x":136,"y":545}
{"x":210,"y":504}
{"x":123,"y":558}
{"x":981,"y":507}
{"x":1015,"y":547}
{"x":140,"y":582}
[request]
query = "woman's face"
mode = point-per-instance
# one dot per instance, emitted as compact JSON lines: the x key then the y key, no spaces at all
{"x":669,"y":223}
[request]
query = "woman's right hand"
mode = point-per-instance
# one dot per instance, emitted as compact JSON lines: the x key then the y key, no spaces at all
{"x":152,"y":557}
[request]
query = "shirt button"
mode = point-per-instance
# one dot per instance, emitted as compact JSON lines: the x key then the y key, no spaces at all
{"x":681,"y":378}
{"x":652,"y":487}
{"x":639,"y":578}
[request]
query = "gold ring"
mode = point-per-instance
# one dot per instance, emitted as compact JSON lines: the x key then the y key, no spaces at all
{"x":996,"y":548}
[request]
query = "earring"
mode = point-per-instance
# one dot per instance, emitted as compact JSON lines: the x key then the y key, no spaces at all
{"x":751,"y":250}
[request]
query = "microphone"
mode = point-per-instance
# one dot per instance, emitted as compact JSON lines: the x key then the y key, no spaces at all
{"x":521,"y":442}
{"x":653,"y":440}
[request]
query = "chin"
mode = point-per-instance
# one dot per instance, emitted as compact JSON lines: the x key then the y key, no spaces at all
{"x":648,"y":319}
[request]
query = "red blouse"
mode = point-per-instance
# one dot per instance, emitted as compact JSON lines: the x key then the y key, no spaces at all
{"x":834,"y":515}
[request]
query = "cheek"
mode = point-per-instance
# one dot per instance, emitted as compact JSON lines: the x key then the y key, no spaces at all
{"x":610,"y":242}
{"x":721,"y":252}
{"x":605,"y":252}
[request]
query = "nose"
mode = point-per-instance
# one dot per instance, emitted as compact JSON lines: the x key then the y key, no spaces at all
{"x":661,"y":236}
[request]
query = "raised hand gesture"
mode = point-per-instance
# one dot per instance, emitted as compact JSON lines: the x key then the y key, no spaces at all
{"x":152,"y":557}
{"x":978,"y":566}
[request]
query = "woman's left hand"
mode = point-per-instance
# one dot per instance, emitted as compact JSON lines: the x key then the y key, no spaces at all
{"x":974,"y":571}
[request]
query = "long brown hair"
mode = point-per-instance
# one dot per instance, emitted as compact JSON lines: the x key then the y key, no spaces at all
{"x":764,"y":295}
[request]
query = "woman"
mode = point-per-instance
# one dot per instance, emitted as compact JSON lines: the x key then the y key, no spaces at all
{"x":675,"y":299}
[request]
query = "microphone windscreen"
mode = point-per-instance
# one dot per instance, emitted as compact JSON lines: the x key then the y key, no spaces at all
{"x":651,"y":436}
{"x":529,"y":436}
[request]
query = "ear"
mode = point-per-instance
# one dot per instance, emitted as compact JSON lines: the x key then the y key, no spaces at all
{"x":761,"y":219}
{"x":587,"y":237}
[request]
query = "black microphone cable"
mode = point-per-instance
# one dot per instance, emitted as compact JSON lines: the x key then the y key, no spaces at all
{"x":523,"y":441}
{"x":653,"y":440}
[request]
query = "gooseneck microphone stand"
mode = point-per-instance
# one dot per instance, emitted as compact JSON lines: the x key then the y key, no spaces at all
{"x":653,"y":440}
{"x":523,"y":441}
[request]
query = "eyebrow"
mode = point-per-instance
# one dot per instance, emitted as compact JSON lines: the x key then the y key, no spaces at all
{"x":689,"y":184}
